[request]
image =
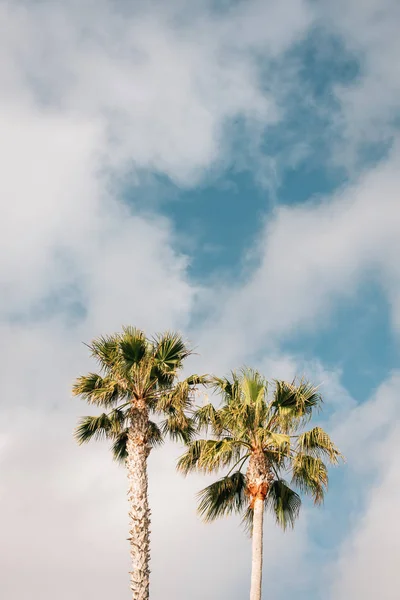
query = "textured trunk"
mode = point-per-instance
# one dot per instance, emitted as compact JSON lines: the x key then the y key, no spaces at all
{"x":259,"y":479}
{"x":139,"y":512}
{"x":257,"y":549}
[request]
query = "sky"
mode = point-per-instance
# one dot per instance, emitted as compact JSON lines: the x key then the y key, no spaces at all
{"x":230,"y":170}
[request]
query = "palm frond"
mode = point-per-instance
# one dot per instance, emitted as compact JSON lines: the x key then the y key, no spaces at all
{"x":188,"y":462}
{"x":161,"y":379}
{"x":294,"y":403}
{"x":155,"y":436}
{"x":93,"y":428}
{"x":177,"y":398}
{"x":106,"y":350}
{"x":209,"y":455}
{"x":118,"y":419}
{"x":225,"y":387}
{"x":95,"y":389}
{"x":317,"y":443}
{"x":252,"y":386}
{"x":247,"y":520}
{"x":195,"y":380}
{"x":208,"y":416}
{"x":223,"y":497}
{"x":170,"y":351}
{"x":133,"y":346}
{"x":284,"y":502}
{"x":179,"y":427}
{"x":119,"y":447}
{"x":239,"y":418}
{"x":310,"y":475}
{"x":273,"y":440}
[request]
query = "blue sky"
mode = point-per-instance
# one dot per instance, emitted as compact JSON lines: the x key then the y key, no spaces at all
{"x":229,"y":170}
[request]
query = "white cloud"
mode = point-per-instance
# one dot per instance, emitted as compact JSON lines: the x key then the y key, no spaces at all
{"x":369,"y":105}
{"x":48,"y":200}
{"x":163,"y":87}
{"x":369,"y":558}
{"x":98,"y":91}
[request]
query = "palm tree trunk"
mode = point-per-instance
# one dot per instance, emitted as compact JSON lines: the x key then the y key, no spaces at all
{"x":257,"y":549}
{"x":139,"y":512}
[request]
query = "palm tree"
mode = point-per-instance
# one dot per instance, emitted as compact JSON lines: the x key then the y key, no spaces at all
{"x":262,"y":430}
{"x":138,"y":378}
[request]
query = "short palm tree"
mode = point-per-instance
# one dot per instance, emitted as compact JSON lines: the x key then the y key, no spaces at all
{"x":262,"y":430}
{"x":138,"y":377}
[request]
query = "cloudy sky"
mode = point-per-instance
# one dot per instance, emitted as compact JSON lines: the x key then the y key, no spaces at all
{"x":230,"y":169}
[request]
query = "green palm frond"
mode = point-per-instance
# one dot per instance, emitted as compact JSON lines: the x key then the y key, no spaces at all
{"x":106,"y":350}
{"x":247,"y":520}
{"x":284,"y":502}
{"x":310,"y":475}
{"x":294,"y":404}
{"x":93,"y":428}
{"x":100,"y":427}
{"x":195,"y":380}
{"x":179,"y":427}
{"x":133,"y":346}
{"x":170,"y":351}
{"x":225,"y":387}
{"x":209,"y":455}
{"x":95,"y":389}
{"x":119,"y":447}
{"x":252,"y":386}
{"x":175,"y":401}
{"x":317,"y":443}
{"x":189,"y":460}
{"x":155,"y":436}
{"x":271,"y":440}
{"x":223,"y":497}
{"x":240,"y":419}
{"x":178,"y":398}
{"x":208,"y":417}
{"x":118,"y":419}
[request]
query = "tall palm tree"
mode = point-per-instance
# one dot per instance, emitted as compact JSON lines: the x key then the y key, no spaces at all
{"x":261,"y":430}
{"x":138,"y":377}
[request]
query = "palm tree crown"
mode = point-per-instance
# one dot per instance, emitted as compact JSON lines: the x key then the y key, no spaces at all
{"x":263,"y":430}
{"x":137,"y":373}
